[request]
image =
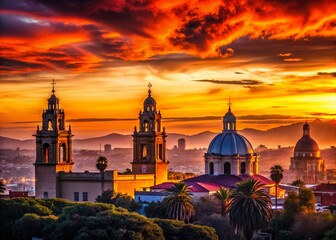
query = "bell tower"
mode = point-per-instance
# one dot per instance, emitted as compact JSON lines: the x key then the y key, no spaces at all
{"x":53,"y":149}
{"x":149,"y":143}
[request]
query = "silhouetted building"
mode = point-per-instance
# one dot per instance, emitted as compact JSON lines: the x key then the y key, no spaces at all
{"x":181,"y":144}
{"x":53,"y":165}
{"x":149,"y":143}
{"x":53,"y":149}
{"x":107,"y":148}
{"x":307,"y":164}
{"x":230,"y":159}
{"x":230,"y":152}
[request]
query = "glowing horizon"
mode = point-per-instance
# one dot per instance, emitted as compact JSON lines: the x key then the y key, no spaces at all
{"x":275,"y":59}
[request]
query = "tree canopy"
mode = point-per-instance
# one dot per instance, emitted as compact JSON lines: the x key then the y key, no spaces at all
{"x":250,"y":207}
{"x":178,"y":201}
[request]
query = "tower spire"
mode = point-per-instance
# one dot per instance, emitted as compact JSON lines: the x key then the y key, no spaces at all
{"x":229,"y":104}
{"x":53,"y":85}
{"x":149,"y":89}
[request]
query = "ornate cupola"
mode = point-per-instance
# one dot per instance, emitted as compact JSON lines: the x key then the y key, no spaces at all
{"x":149,"y":143}
{"x":229,"y":152}
{"x":229,"y":120}
{"x":307,"y":163}
{"x":53,"y":148}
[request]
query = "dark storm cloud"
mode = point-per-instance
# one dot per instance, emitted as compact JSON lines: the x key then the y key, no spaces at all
{"x":191,"y":119}
{"x":23,"y":26}
{"x":265,"y":117}
{"x":12,"y":64}
{"x":130,"y":17}
{"x":233,"y":82}
{"x":100,"y":119}
{"x":198,"y":30}
{"x":321,"y":114}
{"x":332,"y":74}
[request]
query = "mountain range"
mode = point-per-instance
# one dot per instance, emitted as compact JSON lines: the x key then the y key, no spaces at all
{"x":324,"y":134}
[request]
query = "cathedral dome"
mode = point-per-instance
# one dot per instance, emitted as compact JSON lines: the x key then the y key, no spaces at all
{"x":306,"y":143}
{"x":230,"y":143}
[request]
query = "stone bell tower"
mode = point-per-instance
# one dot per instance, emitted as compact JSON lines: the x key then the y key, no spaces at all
{"x":53,"y":149}
{"x":149,"y":143}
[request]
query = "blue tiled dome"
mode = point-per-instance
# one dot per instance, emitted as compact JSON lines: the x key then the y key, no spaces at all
{"x":230,"y":143}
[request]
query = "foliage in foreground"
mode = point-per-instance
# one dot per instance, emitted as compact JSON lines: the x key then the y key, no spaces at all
{"x":119,"y":200}
{"x":24,"y":218}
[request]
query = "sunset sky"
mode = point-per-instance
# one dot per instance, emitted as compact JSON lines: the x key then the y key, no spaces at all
{"x":276,"y":59}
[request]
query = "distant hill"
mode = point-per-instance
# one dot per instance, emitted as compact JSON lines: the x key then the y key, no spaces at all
{"x":323,"y":132}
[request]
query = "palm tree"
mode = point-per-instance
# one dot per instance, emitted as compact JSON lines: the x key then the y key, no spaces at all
{"x":223,"y":195}
{"x":276,"y":176}
{"x":101,"y":165}
{"x":250,"y":207}
{"x":2,"y":186}
{"x":178,"y":201}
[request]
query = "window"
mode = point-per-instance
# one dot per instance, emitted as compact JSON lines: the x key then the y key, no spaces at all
{"x":211,"y":168}
{"x":85,"y":196}
{"x":63,"y":153}
{"x":160,"y":151}
{"x":146,"y":126}
{"x":50,"y":127}
{"x":46,"y":147}
{"x":45,"y":195}
{"x":76,"y":196}
{"x":144,"y":151}
{"x":242,"y":168}
{"x":227,"y":168}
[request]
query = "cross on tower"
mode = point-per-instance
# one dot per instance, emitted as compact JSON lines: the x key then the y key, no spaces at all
{"x":149,"y":88}
{"x":229,"y":104}
{"x":53,"y":86}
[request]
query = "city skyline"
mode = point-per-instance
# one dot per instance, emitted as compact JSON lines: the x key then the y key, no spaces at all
{"x":274,"y":59}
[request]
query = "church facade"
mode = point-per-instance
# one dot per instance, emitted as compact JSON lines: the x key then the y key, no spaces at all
{"x":307,"y":164}
{"x":54,"y":162}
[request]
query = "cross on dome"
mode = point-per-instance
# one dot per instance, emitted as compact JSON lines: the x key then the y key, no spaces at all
{"x":53,"y":85}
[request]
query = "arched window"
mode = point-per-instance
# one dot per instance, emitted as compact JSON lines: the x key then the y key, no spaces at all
{"x":144,"y":152}
{"x":158,"y":127}
{"x":46,"y":150}
{"x":50,"y":127}
{"x":160,"y":151}
{"x":227,"y":168}
{"x":145,"y":126}
{"x":211,"y":168}
{"x":254,"y":168}
{"x":242,"y":168}
{"x":60,"y":124}
{"x":63,"y":153}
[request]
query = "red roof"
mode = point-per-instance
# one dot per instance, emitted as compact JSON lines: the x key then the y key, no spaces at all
{"x":325,"y":187}
{"x":163,"y":186}
{"x":203,"y":187}
{"x":210,"y":183}
{"x":227,"y":181}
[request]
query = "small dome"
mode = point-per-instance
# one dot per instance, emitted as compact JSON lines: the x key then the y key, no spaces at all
{"x":230,"y":143}
{"x":306,"y":144}
{"x":149,"y":101}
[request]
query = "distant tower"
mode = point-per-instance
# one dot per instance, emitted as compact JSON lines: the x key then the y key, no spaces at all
{"x":307,"y":162}
{"x":181,"y":144}
{"x":149,"y":143}
{"x":107,"y":148}
{"x":229,"y":152}
{"x":53,"y":149}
